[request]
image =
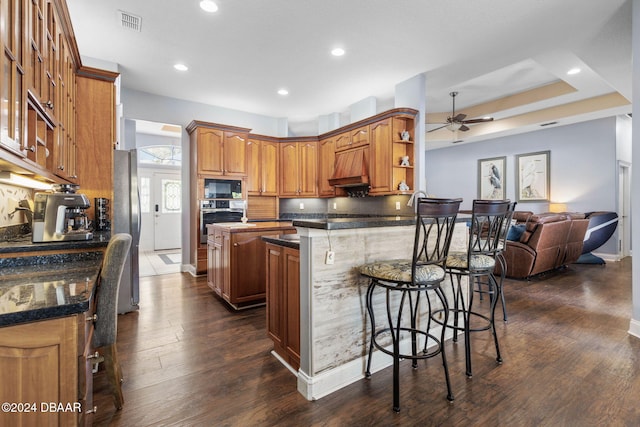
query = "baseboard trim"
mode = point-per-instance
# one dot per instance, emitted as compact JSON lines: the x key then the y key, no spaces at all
{"x":634,"y":328}
{"x":189,"y":268}
{"x":327,"y":382}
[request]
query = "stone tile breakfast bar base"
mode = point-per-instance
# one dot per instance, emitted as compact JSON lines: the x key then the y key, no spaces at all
{"x":334,"y":325}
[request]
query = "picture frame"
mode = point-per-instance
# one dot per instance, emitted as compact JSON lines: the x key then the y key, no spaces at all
{"x":532,"y":177}
{"x":491,"y":178}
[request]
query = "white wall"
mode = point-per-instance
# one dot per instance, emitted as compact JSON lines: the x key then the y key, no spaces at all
{"x":583,"y":169}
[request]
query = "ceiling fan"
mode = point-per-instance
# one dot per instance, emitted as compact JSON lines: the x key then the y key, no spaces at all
{"x":457,"y":121}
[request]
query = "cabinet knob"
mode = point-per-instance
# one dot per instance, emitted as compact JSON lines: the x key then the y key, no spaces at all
{"x":92,"y":410}
{"x":235,"y":244}
{"x":32,"y":148}
{"x":92,"y":318}
{"x":93,"y":356}
{"x":48,"y":104}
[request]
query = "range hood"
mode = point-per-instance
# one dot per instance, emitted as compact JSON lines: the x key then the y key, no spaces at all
{"x":350,"y":169}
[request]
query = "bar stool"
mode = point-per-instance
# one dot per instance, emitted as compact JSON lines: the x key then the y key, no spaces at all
{"x":106,"y":324}
{"x":502,"y":246}
{"x":487,"y":221}
{"x":407,"y":279}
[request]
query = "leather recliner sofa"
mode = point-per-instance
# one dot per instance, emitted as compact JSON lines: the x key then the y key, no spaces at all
{"x":548,"y":241}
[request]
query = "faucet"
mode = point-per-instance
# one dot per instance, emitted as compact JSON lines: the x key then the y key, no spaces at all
{"x":414,"y":195}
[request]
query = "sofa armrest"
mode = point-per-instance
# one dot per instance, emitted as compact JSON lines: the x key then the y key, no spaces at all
{"x":519,"y":259}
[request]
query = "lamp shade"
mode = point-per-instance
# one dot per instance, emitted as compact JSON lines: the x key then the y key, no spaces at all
{"x":557,"y":207}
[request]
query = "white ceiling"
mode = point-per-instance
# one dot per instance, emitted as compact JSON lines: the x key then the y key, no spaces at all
{"x":485,"y":49}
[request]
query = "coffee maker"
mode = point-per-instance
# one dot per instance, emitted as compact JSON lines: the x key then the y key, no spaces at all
{"x":60,"y":216}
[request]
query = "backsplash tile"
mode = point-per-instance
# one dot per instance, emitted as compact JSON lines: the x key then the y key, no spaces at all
{"x":8,"y":192}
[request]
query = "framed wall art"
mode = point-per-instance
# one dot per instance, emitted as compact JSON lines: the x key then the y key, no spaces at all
{"x":532,"y":177}
{"x":491,"y":178}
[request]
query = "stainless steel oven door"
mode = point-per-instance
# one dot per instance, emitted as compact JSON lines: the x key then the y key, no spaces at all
{"x":210,"y":216}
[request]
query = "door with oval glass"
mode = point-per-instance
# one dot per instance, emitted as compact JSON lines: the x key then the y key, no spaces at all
{"x":167,"y":210}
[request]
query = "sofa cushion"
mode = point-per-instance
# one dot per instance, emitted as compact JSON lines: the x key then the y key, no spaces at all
{"x":515,"y":232}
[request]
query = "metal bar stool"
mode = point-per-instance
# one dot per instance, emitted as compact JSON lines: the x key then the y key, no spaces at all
{"x":487,"y":221}
{"x":502,"y":246}
{"x":407,"y":279}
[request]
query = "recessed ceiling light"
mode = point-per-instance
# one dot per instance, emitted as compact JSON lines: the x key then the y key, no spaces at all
{"x":208,"y":6}
{"x":338,"y":51}
{"x":283,"y":92}
{"x":574,"y":71}
{"x":181,"y":67}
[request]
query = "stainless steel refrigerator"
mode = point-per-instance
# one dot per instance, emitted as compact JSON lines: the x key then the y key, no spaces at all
{"x":125,"y":218}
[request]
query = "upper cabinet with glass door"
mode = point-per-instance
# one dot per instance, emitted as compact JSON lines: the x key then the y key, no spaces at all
{"x":12,"y":64}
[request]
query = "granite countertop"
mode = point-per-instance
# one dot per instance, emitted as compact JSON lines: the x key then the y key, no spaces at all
{"x":239,"y":227}
{"x":288,"y":240}
{"x":354,"y":222}
{"x":40,"y":288}
{"x":24,"y":244}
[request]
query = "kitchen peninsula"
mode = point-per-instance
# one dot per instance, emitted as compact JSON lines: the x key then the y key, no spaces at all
{"x":334,"y":328}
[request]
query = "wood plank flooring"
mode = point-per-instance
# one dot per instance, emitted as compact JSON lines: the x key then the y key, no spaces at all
{"x":568,"y":361}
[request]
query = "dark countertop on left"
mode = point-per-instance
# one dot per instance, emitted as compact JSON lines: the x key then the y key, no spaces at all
{"x":48,"y":280}
{"x":24,"y":244}
{"x":47,"y":290}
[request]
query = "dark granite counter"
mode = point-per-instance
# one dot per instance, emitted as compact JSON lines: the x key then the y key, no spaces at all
{"x":24,"y":244}
{"x":354,"y":222}
{"x":288,"y":240}
{"x":39,"y":287}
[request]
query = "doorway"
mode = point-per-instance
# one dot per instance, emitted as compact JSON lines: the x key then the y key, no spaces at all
{"x":159,"y":174}
{"x":624,"y":209}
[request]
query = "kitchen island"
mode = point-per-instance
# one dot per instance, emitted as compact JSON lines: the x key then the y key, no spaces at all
{"x":236,"y":262}
{"x":334,"y":325}
{"x":47,"y":302}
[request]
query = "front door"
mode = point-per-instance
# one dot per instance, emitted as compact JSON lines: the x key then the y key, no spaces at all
{"x":167,"y":210}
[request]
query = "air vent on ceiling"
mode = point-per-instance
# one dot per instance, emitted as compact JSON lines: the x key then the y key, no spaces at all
{"x":549,"y":124}
{"x":130,"y":21}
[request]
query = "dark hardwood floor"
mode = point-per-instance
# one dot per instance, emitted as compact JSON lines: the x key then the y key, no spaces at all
{"x":568,"y":361}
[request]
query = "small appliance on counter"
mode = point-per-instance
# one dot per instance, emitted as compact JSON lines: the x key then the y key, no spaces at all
{"x":102,"y":222}
{"x":60,"y":215}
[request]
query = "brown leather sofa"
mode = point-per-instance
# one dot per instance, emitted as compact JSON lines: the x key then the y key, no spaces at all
{"x":549,"y":241}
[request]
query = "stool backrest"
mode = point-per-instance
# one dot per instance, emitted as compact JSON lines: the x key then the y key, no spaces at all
{"x":435,"y":220}
{"x":504,"y":231}
{"x":106,"y":325}
{"x":488,"y":224}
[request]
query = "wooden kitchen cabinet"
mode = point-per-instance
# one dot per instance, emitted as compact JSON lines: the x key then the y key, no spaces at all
{"x":326,"y":167}
{"x":218,"y":150}
{"x":381,"y":150}
{"x":283,"y":301}
{"x":95,"y":130}
{"x":355,"y":138}
{"x":236,"y":264}
{"x":48,"y":361}
{"x":299,"y":169}
{"x":262,"y":167}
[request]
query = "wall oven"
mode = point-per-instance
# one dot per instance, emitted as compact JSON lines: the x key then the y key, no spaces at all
{"x":212,"y":211}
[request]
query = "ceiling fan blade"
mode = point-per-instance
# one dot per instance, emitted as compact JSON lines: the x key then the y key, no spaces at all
{"x":463,"y":128}
{"x":437,"y":128}
{"x":490,"y":119}
{"x":460,"y":117}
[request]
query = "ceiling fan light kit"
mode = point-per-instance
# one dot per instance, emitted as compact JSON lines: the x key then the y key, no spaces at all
{"x":456,"y":122}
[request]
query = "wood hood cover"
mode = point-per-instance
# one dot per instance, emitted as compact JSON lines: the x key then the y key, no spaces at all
{"x":351,"y":169}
